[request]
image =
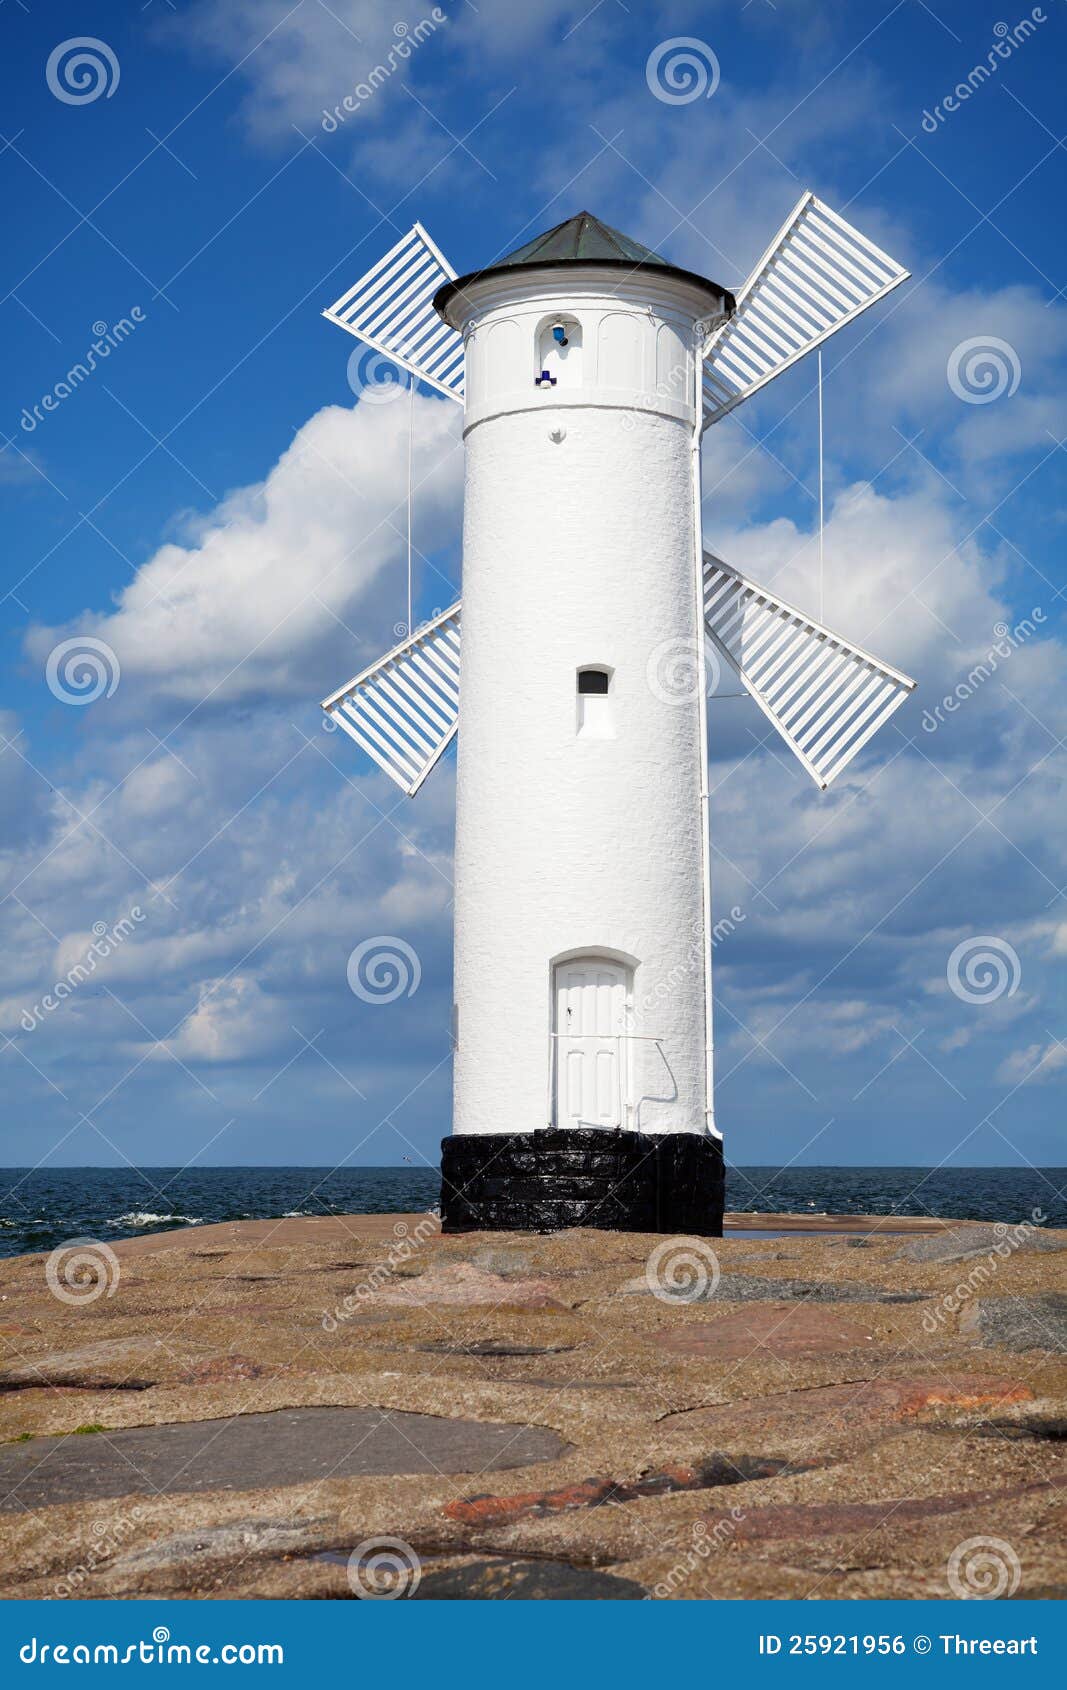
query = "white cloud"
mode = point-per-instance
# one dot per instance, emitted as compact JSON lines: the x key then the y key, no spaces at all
{"x":295,"y":60}
{"x":234,"y":1019}
{"x":909,"y":367}
{"x":896,"y":578}
{"x":1033,"y":1066}
{"x":299,"y":61}
{"x":282,"y":577}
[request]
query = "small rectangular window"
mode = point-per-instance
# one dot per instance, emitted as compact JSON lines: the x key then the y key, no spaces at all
{"x":592,"y":681}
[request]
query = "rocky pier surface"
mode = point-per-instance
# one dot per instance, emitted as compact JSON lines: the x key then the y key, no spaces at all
{"x":358,"y":1406}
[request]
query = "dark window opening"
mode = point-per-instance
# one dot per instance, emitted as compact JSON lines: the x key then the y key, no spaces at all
{"x":592,"y":681}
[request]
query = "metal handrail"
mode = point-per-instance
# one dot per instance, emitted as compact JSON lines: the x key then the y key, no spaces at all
{"x":632,"y":1109}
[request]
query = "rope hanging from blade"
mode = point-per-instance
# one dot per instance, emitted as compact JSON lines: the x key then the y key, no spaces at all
{"x":411,"y":438}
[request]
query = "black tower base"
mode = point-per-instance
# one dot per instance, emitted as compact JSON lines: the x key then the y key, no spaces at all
{"x":582,"y":1176}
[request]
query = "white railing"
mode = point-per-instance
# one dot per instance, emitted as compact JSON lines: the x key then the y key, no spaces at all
{"x":631,"y":1110}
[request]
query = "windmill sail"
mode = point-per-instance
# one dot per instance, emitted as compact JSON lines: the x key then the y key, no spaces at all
{"x":391,"y":309}
{"x":403,"y":711}
{"x":817,"y":275}
{"x":825,"y":696}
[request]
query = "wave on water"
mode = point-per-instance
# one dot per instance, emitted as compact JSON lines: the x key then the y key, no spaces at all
{"x":144,"y":1217}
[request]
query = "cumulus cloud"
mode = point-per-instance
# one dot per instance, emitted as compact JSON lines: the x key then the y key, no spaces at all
{"x":896,"y":578}
{"x":233,"y":1019}
{"x":855,"y":899}
{"x":273,"y":584}
{"x":891,"y":566}
{"x":258,"y":848}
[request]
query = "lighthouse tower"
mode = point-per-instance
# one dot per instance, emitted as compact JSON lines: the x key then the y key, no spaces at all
{"x":574,"y":671}
{"x":582,"y":1020}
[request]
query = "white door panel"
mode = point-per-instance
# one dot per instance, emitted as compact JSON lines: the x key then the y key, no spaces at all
{"x":592,"y":1055}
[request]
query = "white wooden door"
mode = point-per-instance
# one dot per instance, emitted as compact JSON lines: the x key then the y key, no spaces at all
{"x":592,"y":1055}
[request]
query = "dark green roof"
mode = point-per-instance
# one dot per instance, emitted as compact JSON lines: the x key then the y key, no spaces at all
{"x":580,"y":240}
{"x":582,"y":237}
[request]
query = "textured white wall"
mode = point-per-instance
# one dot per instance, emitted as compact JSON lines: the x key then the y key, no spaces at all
{"x":577,"y":552}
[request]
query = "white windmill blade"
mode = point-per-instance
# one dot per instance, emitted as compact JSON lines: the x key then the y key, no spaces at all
{"x":817,"y":275}
{"x":391,"y":309}
{"x":826,"y":696}
{"x":404,"y":710}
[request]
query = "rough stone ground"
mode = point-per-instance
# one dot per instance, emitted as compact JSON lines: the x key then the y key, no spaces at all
{"x":531,"y":1419}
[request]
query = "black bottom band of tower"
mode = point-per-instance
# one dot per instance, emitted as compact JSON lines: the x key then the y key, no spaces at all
{"x":578,"y":1176}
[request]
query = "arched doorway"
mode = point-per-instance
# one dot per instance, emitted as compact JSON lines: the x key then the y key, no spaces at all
{"x":592,"y":998}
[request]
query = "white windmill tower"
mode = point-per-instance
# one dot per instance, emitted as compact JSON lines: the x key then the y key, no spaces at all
{"x":588,"y":368}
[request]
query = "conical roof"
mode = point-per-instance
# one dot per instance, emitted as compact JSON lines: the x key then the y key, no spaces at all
{"x":581,"y":240}
{"x":583,"y":237}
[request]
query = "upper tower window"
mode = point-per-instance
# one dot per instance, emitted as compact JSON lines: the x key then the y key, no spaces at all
{"x":559,"y":353}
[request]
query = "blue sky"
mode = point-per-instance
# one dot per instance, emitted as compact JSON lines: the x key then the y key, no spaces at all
{"x":217,"y":505}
